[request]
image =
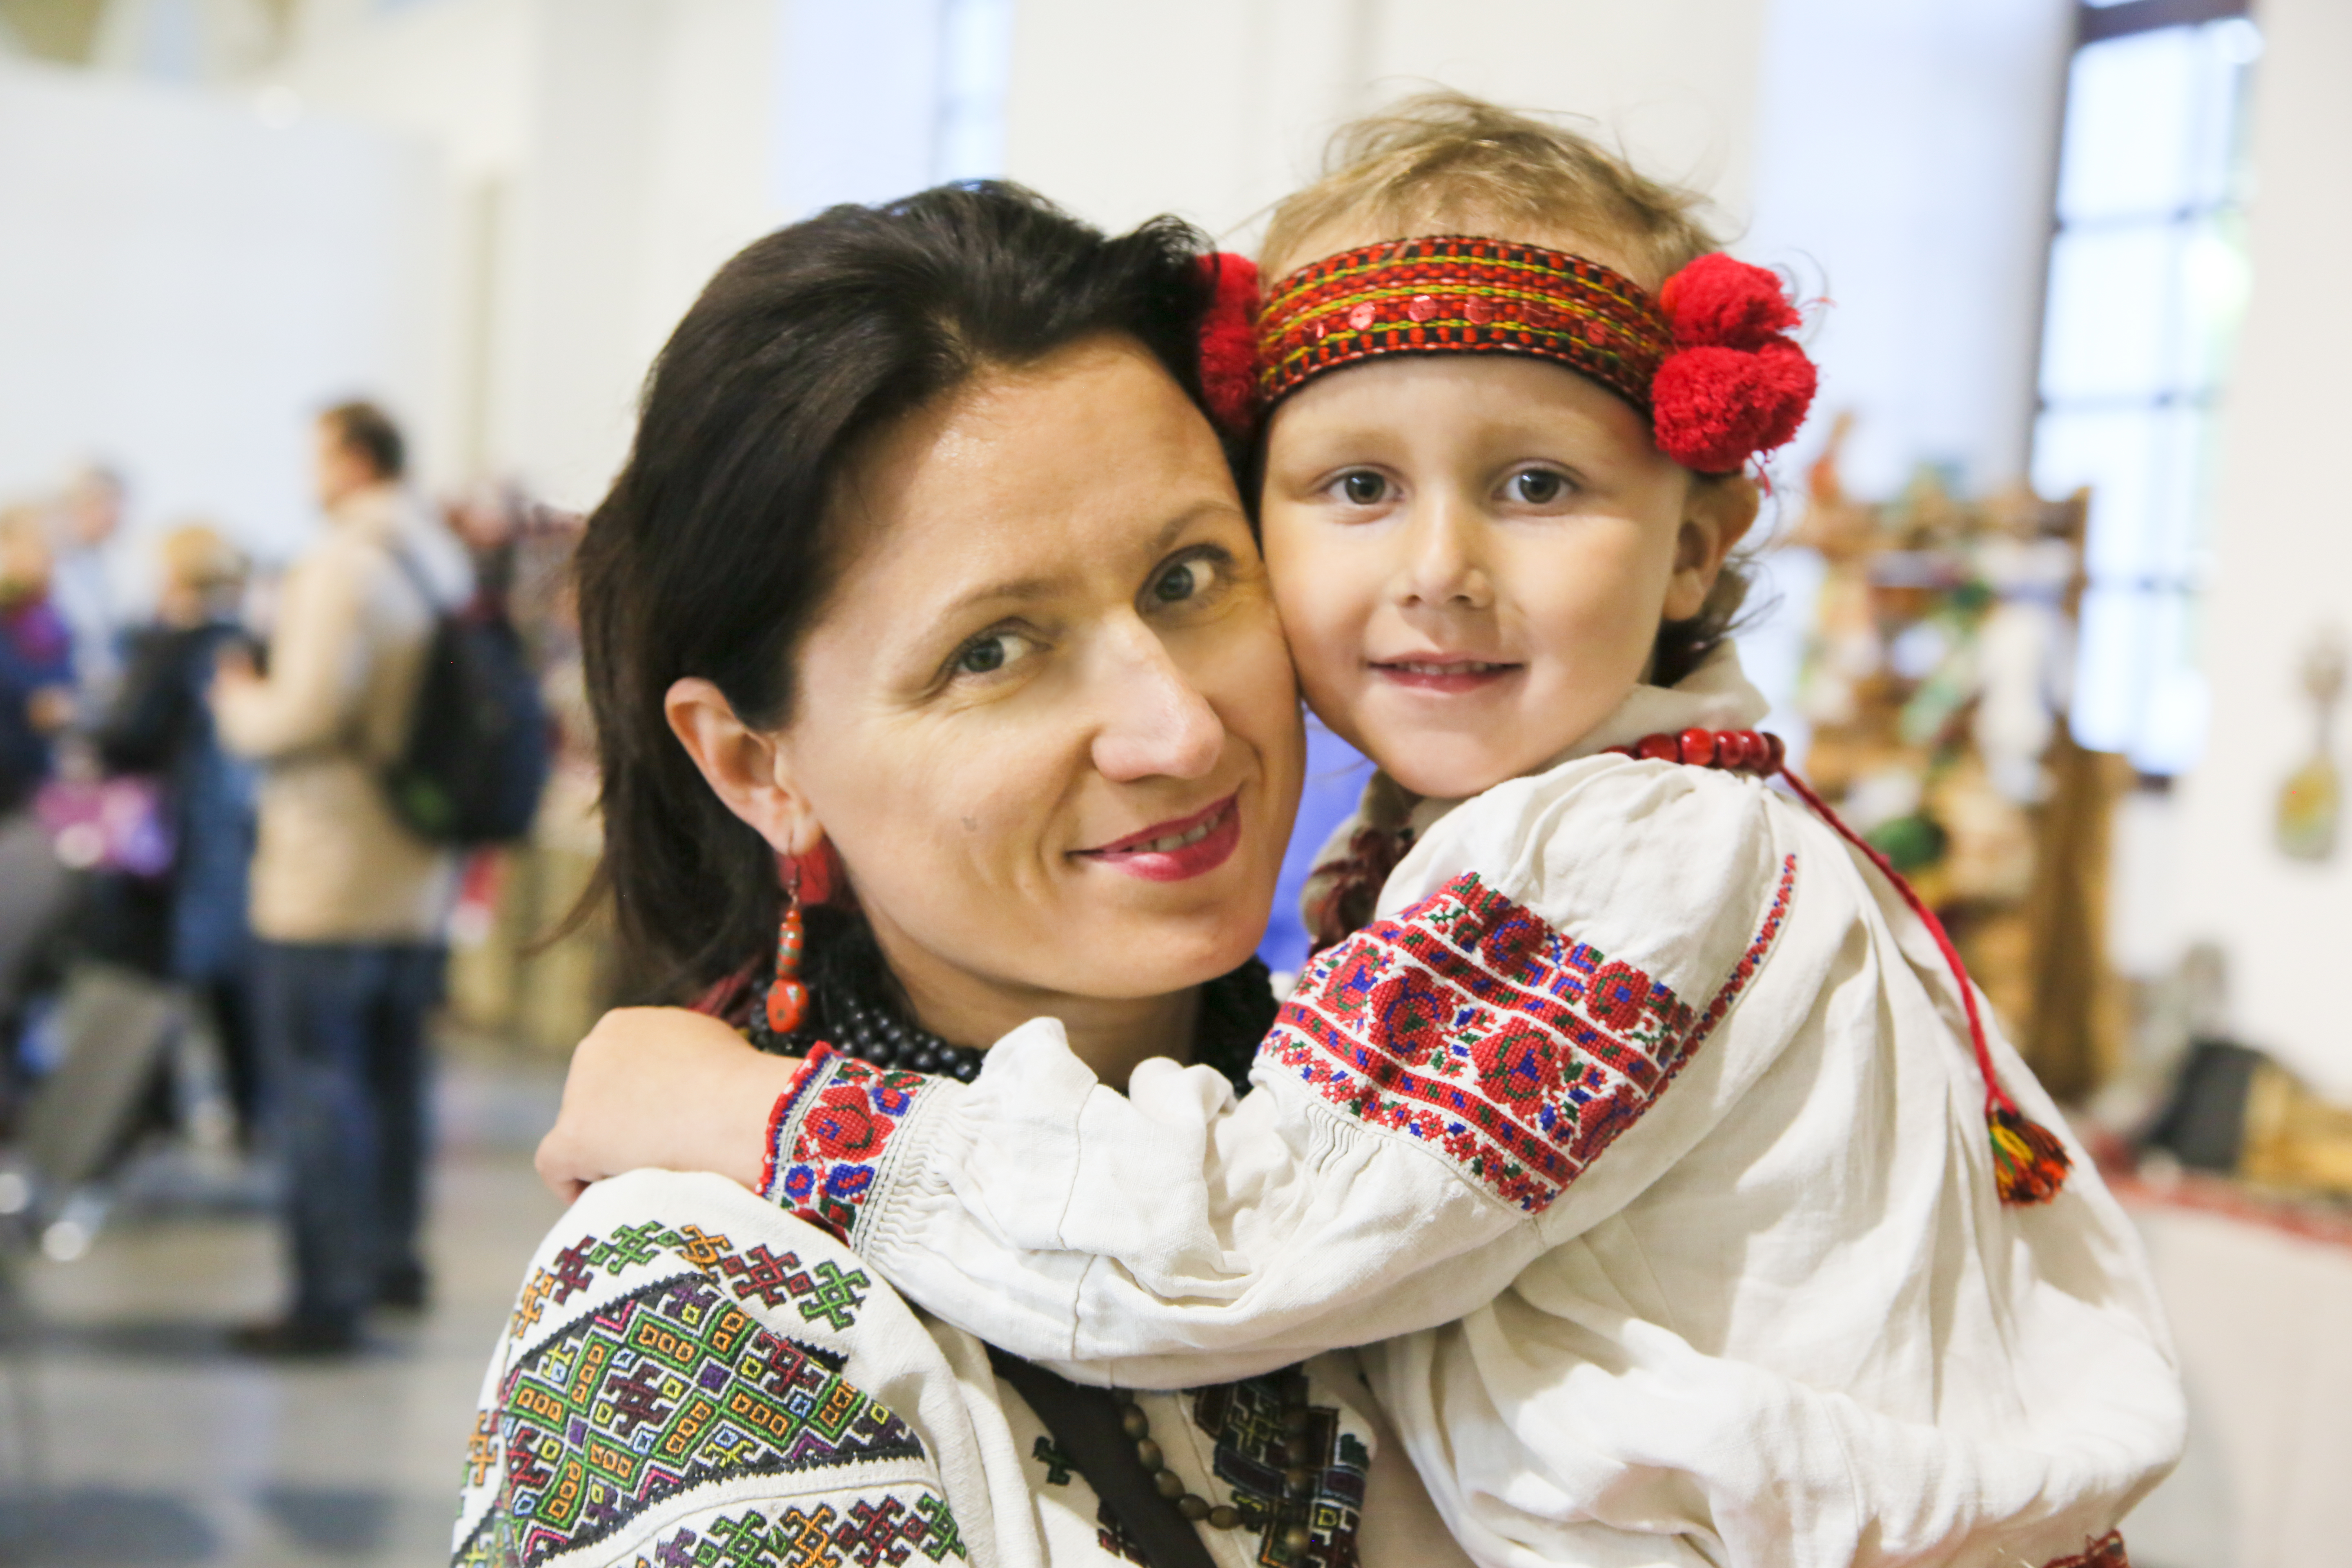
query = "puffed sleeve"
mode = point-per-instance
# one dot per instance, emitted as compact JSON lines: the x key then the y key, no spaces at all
{"x":1548,"y":1000}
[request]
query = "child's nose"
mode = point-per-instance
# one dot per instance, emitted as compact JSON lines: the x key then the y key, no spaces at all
{"x":1445,"y":565}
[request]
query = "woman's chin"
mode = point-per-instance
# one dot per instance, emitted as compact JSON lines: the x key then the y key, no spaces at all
{"x":1156,"y":958}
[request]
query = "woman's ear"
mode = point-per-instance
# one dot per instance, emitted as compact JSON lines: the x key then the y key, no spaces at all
{"x":745,"y":768}
{"x":1716,"y":515}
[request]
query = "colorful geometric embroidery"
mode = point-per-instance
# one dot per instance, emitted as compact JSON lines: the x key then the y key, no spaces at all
{"x":1463,"y":294}
{"x":1114,"y":1539}
{"x":1518,"y":1051}
{"x":663,"y":1389}
{"x":827,"y":1292}
{"x":1048,"y":1453}
{"x":1257,"y":1444}
{"x":815,"y":1538}
{"x":830,"y":1133}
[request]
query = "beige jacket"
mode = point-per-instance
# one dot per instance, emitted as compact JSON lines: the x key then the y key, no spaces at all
{"x":334,"y":863}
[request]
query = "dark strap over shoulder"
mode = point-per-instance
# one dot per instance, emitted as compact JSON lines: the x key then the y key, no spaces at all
{"x":1086,"y":1427}
{"x":414,"y":569}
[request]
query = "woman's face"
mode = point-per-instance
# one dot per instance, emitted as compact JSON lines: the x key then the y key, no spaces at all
{"x":1047,"y":715}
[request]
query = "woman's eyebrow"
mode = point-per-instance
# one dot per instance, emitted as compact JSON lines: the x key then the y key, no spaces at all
{"x":1018,"y":590}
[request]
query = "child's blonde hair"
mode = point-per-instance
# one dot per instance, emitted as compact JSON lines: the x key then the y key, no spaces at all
{"x":1445,"y":162}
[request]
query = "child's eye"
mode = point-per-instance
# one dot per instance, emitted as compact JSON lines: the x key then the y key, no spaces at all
{"x":1537,"y":487}
{"x":1364,"y":488}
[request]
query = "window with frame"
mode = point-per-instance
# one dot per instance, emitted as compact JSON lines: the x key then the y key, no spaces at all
{"x":2147,"y":280}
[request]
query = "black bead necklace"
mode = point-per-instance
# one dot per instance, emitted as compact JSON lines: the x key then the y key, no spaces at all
{"x":856,"y":1008}
{"x":1297,"y":1455}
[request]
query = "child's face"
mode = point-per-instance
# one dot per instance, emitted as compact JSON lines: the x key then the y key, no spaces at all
{"x":1472,"y":555}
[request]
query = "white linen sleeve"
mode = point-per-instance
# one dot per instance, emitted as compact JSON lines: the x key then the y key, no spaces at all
{"x":1428,"y":1103}
{"x":1651,"y":1444}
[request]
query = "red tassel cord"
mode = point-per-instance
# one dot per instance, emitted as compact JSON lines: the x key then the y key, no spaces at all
{"x":2029,"y":1164}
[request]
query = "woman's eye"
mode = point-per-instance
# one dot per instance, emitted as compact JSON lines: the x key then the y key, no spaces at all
{"x":1181,"y":581}
{"x":985,"y":655}
{"x":1362,"y":489}
{"x":1538,"y":487}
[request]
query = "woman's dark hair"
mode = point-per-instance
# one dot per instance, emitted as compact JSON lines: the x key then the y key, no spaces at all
{"x":711,"y":554}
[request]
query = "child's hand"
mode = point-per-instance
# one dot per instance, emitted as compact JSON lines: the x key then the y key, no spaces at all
{"x":662,"y":1086}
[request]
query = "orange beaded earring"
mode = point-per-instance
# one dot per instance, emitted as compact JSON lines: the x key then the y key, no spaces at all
{"x":788,"y":994}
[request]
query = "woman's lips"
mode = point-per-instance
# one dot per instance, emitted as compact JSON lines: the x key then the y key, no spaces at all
{"x":1173,"y":851}
{"x":1443,"y":676}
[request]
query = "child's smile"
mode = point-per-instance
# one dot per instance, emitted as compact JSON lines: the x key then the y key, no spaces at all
{"x":1472,"y":554}
{"x":1449,"y":676}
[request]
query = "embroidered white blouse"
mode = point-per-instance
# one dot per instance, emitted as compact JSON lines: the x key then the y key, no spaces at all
{"x":1639,"y":1140}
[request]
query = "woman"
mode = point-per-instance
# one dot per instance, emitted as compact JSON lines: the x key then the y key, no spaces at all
{"x":926,"y":565}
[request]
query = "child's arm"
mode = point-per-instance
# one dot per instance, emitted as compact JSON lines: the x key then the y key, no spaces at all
{"x":1547,"y":1028}
{"x":661,"y":1087}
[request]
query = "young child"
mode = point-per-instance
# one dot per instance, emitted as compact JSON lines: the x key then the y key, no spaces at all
{"x":1645,"y":1121}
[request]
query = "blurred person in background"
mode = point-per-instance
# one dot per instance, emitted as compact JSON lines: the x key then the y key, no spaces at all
{"x":36,"y":663}
{"x":90,"y":516}
{"x":189,"y":925}
{"x":348,"y":904}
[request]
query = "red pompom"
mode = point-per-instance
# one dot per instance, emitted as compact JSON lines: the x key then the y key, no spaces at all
{"x":1229,"y":343}
{"x":1714,"y":409}
{"x":1734,"y":385}
{"x":1724,"y":303}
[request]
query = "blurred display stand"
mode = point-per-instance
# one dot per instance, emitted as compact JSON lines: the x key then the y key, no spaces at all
{"x":511,"y":976}
{"x":507,"y":978}
{"x":1936,"y":681}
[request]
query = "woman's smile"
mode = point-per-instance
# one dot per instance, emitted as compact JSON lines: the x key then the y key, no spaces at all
{"x":1178,"y":849}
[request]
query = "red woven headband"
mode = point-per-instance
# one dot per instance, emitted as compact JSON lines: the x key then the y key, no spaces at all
{"x":1709,"y":359}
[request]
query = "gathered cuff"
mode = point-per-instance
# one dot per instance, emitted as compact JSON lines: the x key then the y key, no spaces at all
{"x":836,"y":1135}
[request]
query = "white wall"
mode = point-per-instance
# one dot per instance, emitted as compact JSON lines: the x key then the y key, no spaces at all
{"x":610,"y":155}
{"x":1905,"y":155}
{"x":1216,"y":109}
{"x":182,"y":287}
{"x":2283,"y":563}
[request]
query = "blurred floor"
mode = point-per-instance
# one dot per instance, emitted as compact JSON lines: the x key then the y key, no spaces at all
{"x":156,"y":1446}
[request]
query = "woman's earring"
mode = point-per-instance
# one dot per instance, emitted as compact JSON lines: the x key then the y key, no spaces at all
{"x":787,"y":996}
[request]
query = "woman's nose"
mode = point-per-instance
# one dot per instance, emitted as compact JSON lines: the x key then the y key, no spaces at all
{"x":1442,"y":565}
{"x":1155,"y":722}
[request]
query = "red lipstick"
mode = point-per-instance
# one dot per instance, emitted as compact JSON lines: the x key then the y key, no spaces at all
{"x":1178,"y":849}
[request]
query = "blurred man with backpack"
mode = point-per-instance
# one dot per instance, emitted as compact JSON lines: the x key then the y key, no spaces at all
{"x":348,"y":899}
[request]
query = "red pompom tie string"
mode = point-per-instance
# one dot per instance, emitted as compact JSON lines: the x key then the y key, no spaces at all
{"x":1229,"y":343}
{"x":2029,"y":1163}
{"x":1736,"y":387}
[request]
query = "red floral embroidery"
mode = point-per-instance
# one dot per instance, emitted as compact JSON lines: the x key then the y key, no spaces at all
{"x":2107,"y":1552}
{"x":832,"y":1132}
{"x":841,"y":1125}
{"x":1619,"y":992}
{"x":1469,"y":1023}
